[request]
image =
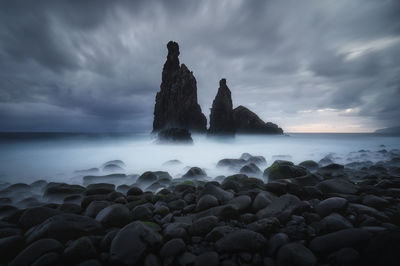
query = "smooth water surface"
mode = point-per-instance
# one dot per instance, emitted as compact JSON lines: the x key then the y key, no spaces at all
{"x":27,"y":157}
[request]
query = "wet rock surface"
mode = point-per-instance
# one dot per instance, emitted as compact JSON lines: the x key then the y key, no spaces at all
{"x":308,"y":214}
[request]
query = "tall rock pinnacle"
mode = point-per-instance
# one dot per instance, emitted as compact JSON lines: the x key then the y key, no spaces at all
{"x":221,"y":117}
{"x":176,"y":102}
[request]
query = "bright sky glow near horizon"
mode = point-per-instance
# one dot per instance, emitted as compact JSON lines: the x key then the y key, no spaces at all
{"x":308,"y":66}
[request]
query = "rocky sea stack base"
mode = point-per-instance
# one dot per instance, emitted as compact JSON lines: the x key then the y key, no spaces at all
{"x":314,"y":213}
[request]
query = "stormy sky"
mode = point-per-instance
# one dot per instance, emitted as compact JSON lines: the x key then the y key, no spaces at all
{"x":309,"y":66}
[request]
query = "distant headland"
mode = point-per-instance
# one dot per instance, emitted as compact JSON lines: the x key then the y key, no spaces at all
{"x":177,"y":107}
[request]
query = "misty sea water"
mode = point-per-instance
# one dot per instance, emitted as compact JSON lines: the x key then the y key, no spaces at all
{"x":26,"y":157}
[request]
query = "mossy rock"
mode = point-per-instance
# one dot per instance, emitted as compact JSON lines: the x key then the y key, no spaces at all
{"x":152,"y":225}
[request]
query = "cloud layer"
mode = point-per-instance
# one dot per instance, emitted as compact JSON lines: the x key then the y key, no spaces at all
{"x":96,"y":65}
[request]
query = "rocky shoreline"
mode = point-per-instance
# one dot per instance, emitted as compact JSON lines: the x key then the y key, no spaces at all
{"x":313,"y":213}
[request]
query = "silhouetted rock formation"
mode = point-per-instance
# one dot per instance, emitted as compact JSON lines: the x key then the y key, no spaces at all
{"x":221,"y":117}
{"x":176,"y":102}
{"x":175,"y":135}
{"x":248,"y":122}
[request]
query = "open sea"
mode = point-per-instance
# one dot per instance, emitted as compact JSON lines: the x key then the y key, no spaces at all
{"x":27,"y":157}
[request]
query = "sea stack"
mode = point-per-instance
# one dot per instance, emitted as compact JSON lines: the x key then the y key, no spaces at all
{"x":221,"y":116}
{"x":249,"y":123}
{"x":176,"y":102}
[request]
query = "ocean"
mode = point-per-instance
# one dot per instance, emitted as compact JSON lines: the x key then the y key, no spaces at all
{"x":27,"y":157}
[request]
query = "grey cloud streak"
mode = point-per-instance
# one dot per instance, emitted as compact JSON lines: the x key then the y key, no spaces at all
{"x":96,"y":65}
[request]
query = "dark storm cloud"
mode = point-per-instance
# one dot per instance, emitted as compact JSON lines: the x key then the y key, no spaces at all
{"x":96,"y":65}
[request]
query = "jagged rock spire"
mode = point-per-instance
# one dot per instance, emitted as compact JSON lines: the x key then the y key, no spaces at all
{"x":176,"y":102}
{"x":221,"y":116}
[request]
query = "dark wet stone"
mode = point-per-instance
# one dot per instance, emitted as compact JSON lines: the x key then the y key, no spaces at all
{"x":73,"y":199}
{"x":35,"y":250}
{"x":265,"y":226}
{"x":362,"y":209}
{"x":213,"y":189}
{"x":9,"y":231}
{"x":70,"y":208}
{"x":147,"y":178}
{"x":172,"y":163}
{"x":120,"y":163}
{"x":262,"y":200}
{"x":232,"y":163}
{"x":226,"y":211}
{"x":142,"y":212}
{"x":210,"y":258}
{"x":178,"y":204}
{"x":88,"y":199}
{"x":345,"y":257}
{"x":374,"y":201}
{"x":34,"y":216}
{"x":48,"y":259}
{"x":297,"y":229}
{"x":65,"y":227}
{"x":176,"y":230}
{"x":111,"y":167}
{"x":218,"y":232}
{"x":91,"y":262}
{"x":241,"y":203}
{"x":295,"y":254}
{"x":99,"y":188}
{"x":10,"y":246}
{"x":5,"y":201}
{"x":206,"y":202}
{"x":95,"y":207}
{"x":111,"y":178}
{"x":135,"y":191}
{"x":60,"y":190}
{"x":241,"y":240}
{"x":284,"y":169}
{"x":152,"y":260}
{"x":116,"y":215}
{"x":331,"y":242}
{"x":326,"y":160}
{"x":307,"y":180}
{"x":333,"y":222}
{"x":105,"y":242}
{"x":161,"y":210}
{"x":203,"y":226}
{"x":309,"y":165}
{"x":194,"y":172}
{"x":331,"y":169}
{"x":251,"y":169}
{"x":277,"y":241}
{"x":145,"y":237}
{"x":337,"y":185}
{"x":258,"y":160}
{"x":187,"y":258}
{"x":19,"y":187}
{"x":79,"y":250}
{"x":39,"y":184}
{"x":383,"y":249}
{"x":280,"y":207}
{"x":172,"y":248}
{"x":329,"y":205}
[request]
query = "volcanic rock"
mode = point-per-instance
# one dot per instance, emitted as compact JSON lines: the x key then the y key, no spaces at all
{"x":248,"y":122}
{"x":173,"y":135}
{"x":176,"y":102}
{"x":221,"y":117}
